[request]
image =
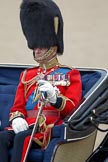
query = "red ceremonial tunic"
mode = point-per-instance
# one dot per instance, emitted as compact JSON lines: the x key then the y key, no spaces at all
{"x":68,"y":82}
{"x":70,"y":94}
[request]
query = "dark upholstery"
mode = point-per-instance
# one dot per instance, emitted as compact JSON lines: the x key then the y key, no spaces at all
{"x":9,"y":78}
{"x":6,"y":101}
{"x":88,"y":80}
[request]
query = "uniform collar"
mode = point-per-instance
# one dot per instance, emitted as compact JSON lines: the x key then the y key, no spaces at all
{"x":50,"y":64}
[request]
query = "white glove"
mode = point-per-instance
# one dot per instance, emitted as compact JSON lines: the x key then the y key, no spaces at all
{"x":19,"y":124}
{"x":45,"y":86}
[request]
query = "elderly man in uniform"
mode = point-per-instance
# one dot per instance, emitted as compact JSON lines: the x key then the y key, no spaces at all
{"x":60,"y":85}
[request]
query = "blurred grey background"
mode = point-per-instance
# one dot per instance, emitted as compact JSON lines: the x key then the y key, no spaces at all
{"x":85,"y":35}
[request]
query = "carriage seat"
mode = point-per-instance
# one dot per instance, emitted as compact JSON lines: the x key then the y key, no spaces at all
{"x":9,"y":78}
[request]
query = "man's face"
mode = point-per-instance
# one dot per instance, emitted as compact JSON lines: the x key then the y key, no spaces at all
{"x":43,"y":55}
{"x":39,"y":52}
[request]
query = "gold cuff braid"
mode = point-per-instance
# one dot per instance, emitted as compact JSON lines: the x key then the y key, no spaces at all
{"x":64,"y":100}
{"x":15,"y":114}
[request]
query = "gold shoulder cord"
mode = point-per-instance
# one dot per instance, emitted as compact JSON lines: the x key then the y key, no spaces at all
{"x":27,"y":84}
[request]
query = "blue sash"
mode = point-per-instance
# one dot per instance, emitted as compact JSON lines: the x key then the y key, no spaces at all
{"x":30,"y":103}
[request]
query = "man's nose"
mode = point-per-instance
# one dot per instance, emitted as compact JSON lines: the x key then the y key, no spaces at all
{"x":37,"y":50}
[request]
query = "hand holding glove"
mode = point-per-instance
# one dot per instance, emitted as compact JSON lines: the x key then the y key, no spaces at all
{"x":45,"y":86}
{"x":19,"y":124}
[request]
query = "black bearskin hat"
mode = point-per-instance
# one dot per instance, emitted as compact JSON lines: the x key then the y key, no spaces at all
{"x":42,"y":24}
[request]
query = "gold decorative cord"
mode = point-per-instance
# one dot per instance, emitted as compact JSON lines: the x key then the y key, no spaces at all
{"x":27,"y":84}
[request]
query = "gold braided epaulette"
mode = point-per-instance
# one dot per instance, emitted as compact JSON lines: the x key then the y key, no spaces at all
{"x":31,"y":68}
{"x":30,"y":82}
{"x":24,"y":73}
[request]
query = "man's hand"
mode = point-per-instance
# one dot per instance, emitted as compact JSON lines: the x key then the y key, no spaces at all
{"x":19,"y":124}
{"x":45,"y":86}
